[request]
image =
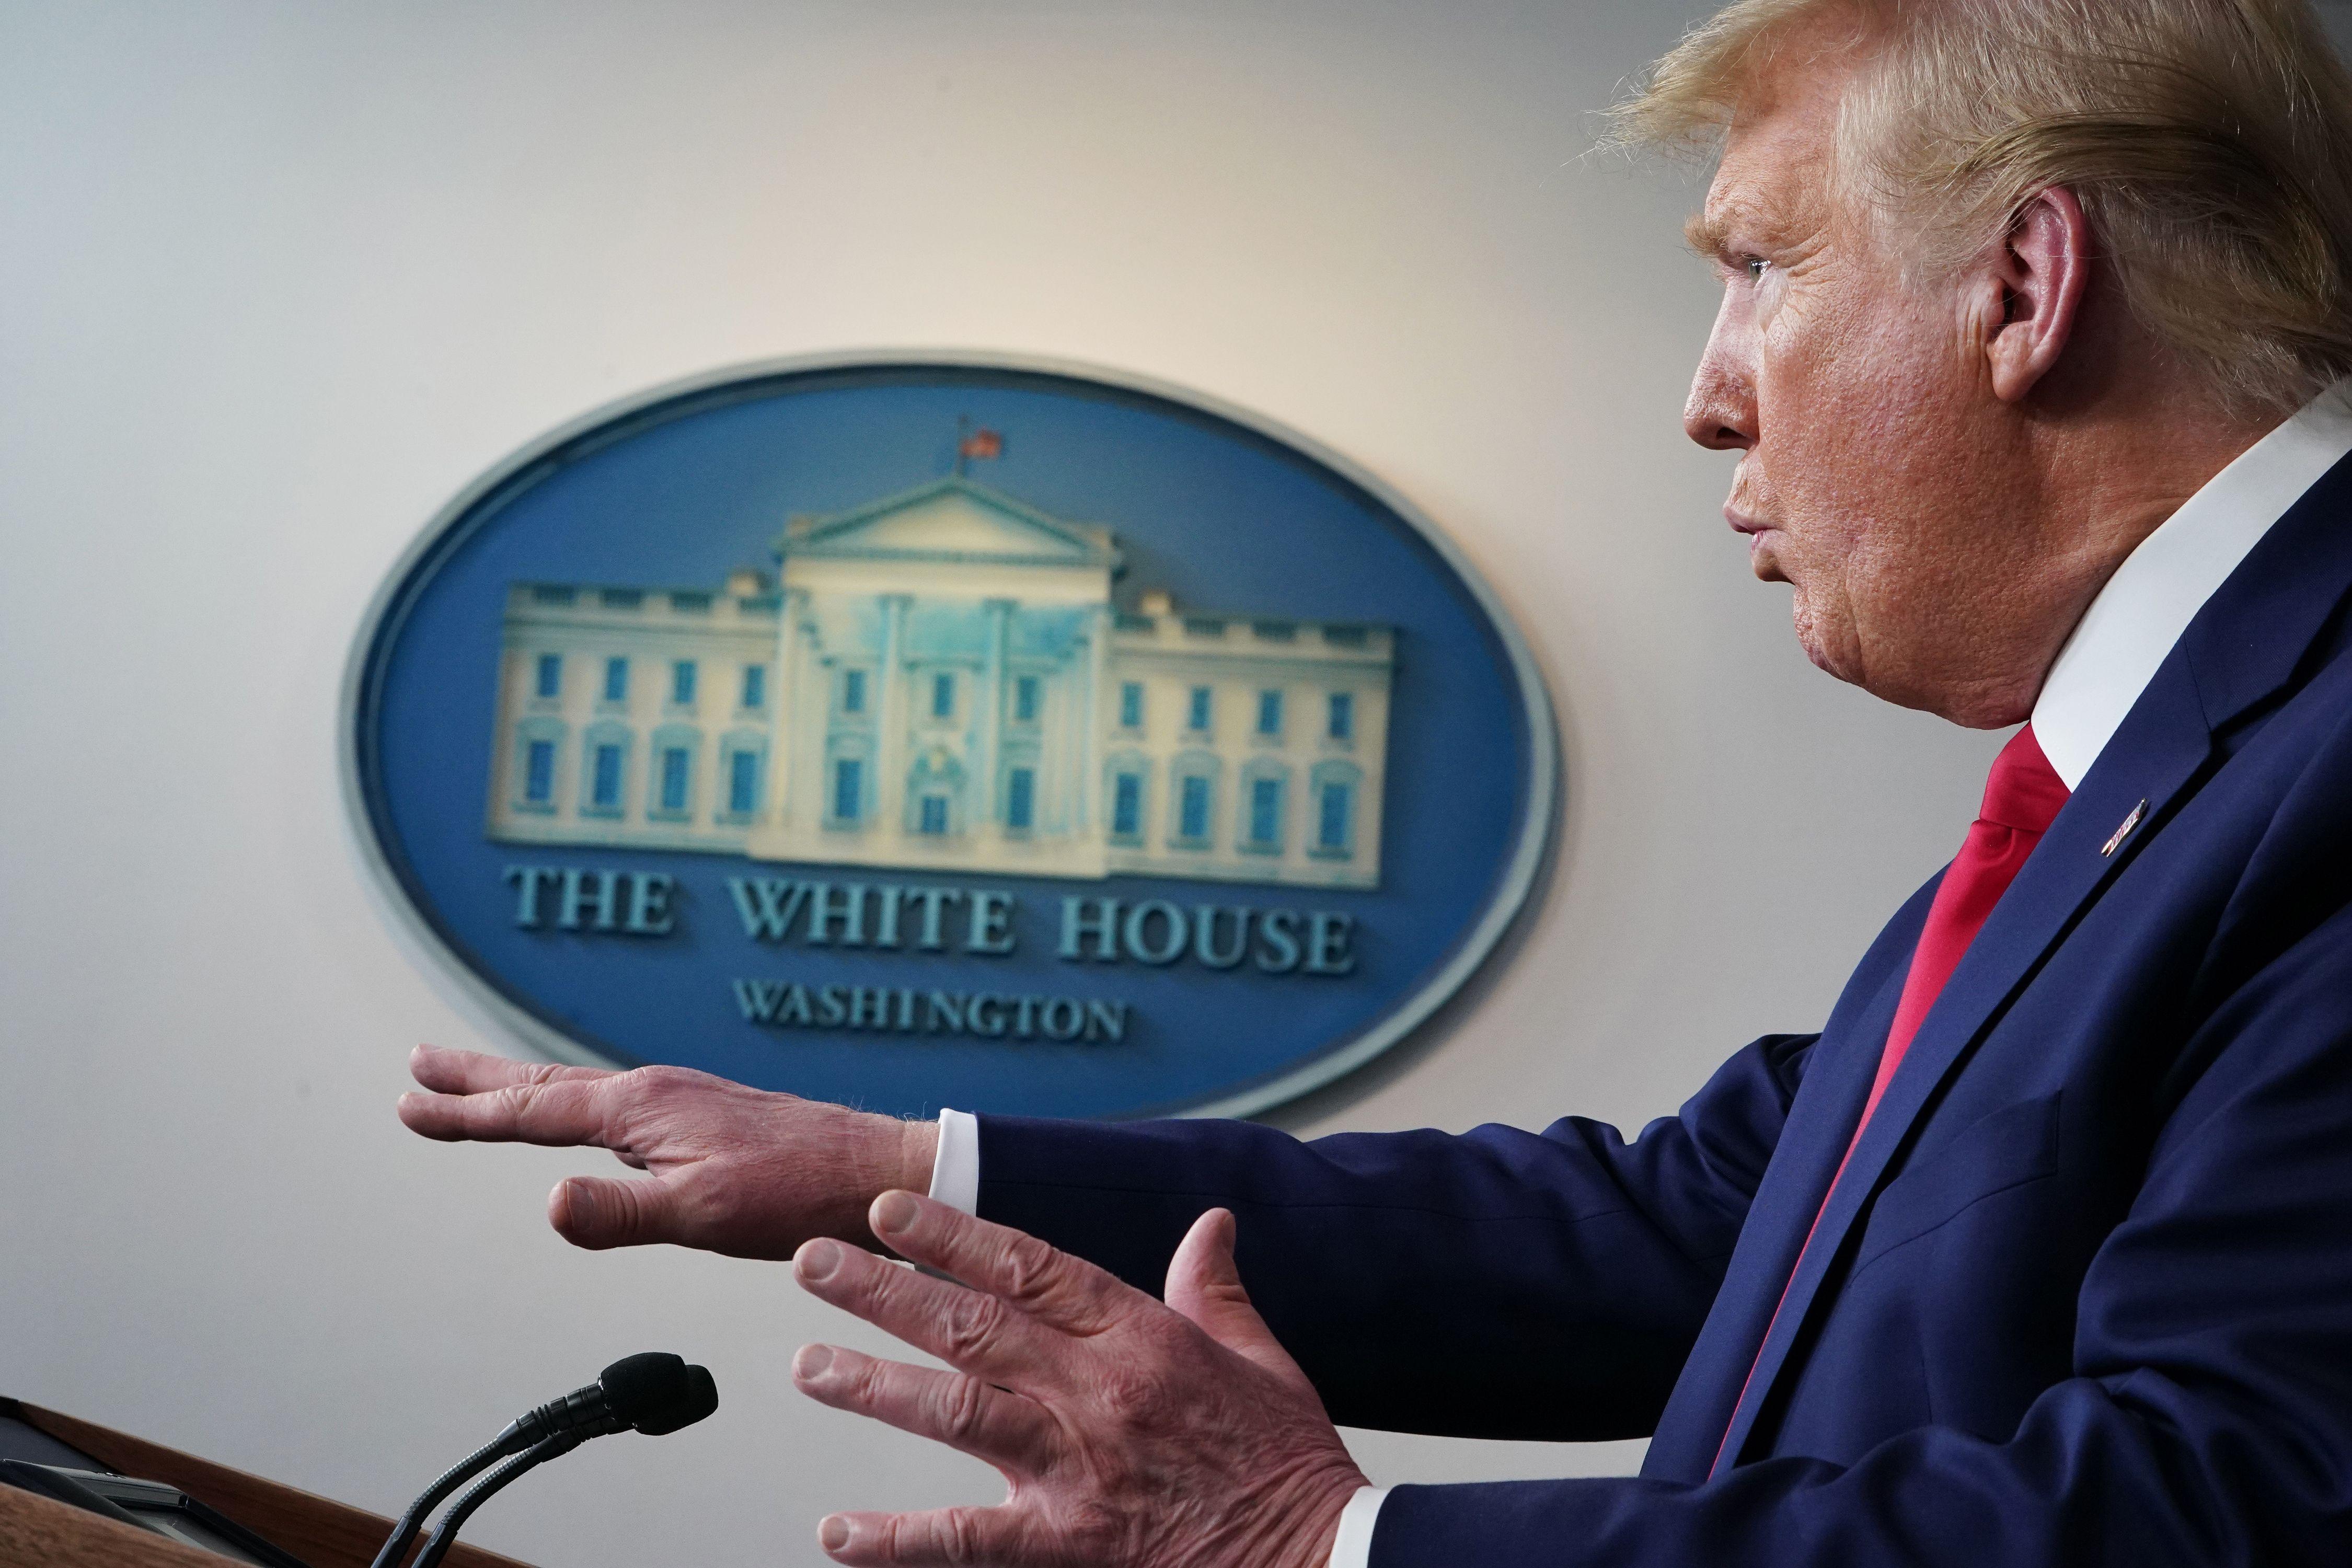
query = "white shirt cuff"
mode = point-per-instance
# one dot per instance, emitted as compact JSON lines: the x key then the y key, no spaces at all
{"x":955,"y":1169}
{"x":1352,"y":1547}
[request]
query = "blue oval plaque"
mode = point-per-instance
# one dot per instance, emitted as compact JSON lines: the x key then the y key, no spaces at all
{"x":946,"y":729}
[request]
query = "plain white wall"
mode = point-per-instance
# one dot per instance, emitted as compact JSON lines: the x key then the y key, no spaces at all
{"x":277,"y":280}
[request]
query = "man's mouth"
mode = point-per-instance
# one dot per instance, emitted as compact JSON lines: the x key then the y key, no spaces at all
{"x":1755,"y":528}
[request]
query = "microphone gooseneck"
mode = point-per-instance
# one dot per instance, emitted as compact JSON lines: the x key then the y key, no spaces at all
{"x":654,"y":1393}
{"x":455,"y":1476}
{"x":445,"y":1534}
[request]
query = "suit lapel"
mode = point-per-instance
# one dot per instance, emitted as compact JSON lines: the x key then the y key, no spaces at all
{"x":1821,"y":1120}
{"x":2243,"y":645}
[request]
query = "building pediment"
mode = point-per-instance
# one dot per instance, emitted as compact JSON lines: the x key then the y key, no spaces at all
{"x":952,"y":521}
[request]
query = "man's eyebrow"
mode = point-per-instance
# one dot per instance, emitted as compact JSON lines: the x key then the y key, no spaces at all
{"x":1706,"y":233}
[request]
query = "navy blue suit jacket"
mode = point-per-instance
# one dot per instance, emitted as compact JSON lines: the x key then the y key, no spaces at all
{"x":2084,"y":1296}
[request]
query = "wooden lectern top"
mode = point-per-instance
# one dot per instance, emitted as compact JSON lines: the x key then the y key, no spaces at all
{"x":322,"y":1532}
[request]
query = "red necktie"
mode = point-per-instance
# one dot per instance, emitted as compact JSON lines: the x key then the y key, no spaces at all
{"x":2020,"y":799}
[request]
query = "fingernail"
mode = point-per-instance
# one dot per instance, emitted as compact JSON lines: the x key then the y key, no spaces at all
{"x":810,"y":1364}
{"x":580,"y":1205}
{"x":818,"y":1260}
{"x":833,"y":1534}
{"x":894,"y":1212}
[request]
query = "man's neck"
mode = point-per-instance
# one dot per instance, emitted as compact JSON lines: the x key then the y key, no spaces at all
{"x":2109,"y":479}
{"x":2144,"y":604}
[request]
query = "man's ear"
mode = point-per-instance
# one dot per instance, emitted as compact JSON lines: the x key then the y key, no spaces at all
{"x":2042,"y":266}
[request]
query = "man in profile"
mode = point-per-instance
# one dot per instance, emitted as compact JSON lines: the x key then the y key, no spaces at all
{"x":2040,"y":1252}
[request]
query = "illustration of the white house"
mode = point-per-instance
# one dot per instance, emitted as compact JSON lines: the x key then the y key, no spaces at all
{"x":940,"y":680}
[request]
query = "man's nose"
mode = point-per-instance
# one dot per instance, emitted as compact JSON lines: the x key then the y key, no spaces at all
{"x":1721,"y":413}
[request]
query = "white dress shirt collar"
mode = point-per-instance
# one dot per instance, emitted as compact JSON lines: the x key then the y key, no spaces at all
{"x":2135,"y":620}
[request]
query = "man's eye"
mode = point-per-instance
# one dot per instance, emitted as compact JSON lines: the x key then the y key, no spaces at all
{"x":1754,"y":265}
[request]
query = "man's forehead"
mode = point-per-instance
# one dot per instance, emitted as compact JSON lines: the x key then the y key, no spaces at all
{"x":1777,"y":162}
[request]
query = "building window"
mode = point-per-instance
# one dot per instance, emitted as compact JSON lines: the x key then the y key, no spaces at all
{"x":1025,"y":699}
{"x":1127,"y":806}
{"x":1021,"y":799}
{"x":604,"y":781}
{"x":1192,"y":809}
{"x":550,"y":674}
{"x":755,"y":686}
{"x":669,"y":788}
{"x":539,"y":772}
{"x":681,"y":683}
{"x":1343,"y":716}
{"x":1331,"y":819}
{"x":853,"y":691}
{"x":743,"y":783}
{"x":742,"y":770}
{"x":848,"y":784}
{"x":1269,"y":712}
{"x":1196,"y":716}
{"x":616,"y":680}
{"x":1192,"y":799}
{"x":935,"y":814}
{"x":673,"y":763}
{"x":943,"y":696}
{"x":1130,"y":704}
{"x":537,"y":749}
{"x":1265,"y":813}
{"x":1334,"y":793}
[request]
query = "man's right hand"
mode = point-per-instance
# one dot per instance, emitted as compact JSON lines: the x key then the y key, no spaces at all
{"x":731,"y":1169}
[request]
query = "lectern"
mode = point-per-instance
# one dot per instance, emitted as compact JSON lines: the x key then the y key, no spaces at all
{"x":38,"y":1532}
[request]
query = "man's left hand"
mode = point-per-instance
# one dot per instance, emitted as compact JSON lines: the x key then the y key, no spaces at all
{"x":1133,"y":1435}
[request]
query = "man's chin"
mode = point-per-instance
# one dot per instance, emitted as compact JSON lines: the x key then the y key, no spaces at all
{"x":1824,"y":663}
{"x":1830,"y":655}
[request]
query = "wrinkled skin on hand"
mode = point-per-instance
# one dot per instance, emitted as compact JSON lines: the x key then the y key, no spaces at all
{"x":1133,"y":1435}
{"x":729,"y":1168}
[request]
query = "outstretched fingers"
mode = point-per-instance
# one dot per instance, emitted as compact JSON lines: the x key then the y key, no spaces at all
{"x":968,"y":1415}
{"x":969,"y":1329}
{"x":941,"y":1538}
{"x":554,"y":1110}
{"x":447,"y":1071}
{"x":1049,"y":1285}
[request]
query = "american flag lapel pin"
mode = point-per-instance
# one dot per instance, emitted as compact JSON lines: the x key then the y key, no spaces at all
{"x":2112,"y":845}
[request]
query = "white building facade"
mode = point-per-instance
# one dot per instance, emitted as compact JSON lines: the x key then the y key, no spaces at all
{"x":940,"y":680}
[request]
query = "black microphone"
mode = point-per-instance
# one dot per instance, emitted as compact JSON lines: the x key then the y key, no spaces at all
{"x":656,"y":1392}
{"x":627,"y":1393}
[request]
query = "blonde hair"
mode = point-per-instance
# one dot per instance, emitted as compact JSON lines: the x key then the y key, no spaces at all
{"x":2210,"y":143}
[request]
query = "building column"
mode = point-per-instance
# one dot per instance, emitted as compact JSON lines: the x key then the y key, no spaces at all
{"x":784,"y":706}
{"x":988,"y":716}
{"x":1094,"y":716}
{"x":890,"y":721}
